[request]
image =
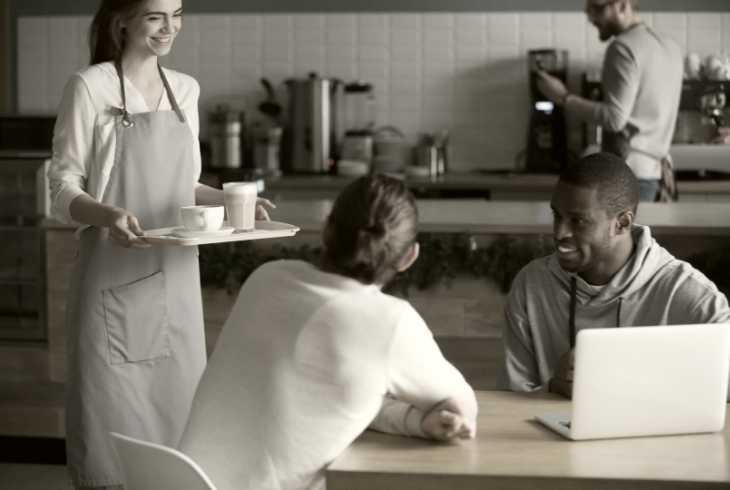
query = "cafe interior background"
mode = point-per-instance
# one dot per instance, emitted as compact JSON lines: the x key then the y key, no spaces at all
{"x":436,"y":91}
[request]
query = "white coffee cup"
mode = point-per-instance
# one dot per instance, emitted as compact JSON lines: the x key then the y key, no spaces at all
{"x":202,"y":218}
{"x":240,"y":201}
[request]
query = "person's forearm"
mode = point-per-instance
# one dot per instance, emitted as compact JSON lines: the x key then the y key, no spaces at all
{"x":398,"y":417}
{"x":584,"y":110}
{"x":85,"y":209}
{"x":205,"y":194}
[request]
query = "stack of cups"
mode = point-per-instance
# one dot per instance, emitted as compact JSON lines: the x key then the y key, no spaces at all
{"x":240,"y":201}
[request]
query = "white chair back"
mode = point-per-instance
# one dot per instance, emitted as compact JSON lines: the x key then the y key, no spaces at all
{"x":149,"y":466}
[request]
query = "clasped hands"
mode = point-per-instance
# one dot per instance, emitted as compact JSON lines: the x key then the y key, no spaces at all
{"x":444,"y":423}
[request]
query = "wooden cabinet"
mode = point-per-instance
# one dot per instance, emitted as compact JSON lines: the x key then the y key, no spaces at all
{"x":22,"y":245}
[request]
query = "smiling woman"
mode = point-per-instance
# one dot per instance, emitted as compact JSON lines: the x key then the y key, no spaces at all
{"x":126,"y":155}
{"x":153,"y":31}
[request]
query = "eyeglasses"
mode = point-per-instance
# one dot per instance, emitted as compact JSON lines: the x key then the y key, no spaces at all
{"x":598,"y":8}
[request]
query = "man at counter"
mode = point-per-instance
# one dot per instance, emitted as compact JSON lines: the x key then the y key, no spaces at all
{"x":642,"y":82}
{"x":607,"y":272}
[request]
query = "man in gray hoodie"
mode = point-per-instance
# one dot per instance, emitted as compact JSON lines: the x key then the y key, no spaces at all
{"x":607,"y":271}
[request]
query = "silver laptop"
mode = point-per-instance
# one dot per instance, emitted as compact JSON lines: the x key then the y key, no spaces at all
{"x":645,"y":381}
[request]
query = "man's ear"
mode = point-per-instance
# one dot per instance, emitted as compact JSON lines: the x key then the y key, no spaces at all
{"x":409,"y":258}
{"x":624,"y":222}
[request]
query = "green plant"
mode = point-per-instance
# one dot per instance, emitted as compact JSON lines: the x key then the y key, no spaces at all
{"x":714,"y":263}
{"x":443,"y":256}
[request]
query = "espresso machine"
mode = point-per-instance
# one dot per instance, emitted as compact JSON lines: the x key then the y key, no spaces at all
{"x":702,"y":110}
{"x":547,"y":148}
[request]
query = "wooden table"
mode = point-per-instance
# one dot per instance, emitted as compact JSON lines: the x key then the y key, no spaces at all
{"x":511,"y":452}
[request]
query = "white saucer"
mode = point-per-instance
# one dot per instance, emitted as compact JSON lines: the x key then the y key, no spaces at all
{"x":183,"y":233}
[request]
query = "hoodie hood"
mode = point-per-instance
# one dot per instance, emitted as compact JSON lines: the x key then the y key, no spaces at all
{"x":648,"y":257}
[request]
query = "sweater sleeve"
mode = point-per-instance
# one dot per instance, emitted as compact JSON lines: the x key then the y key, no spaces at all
{"x":72,"y":147}
{"x":621,"y":79}
{"x":419,"y":375}
{"x":520,"y":366}
{"x":193,"y":117}
{"x":697,"y":300}
{"x":398,"y":417}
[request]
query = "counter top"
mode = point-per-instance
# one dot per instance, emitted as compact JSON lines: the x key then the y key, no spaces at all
{"x":523,"y":217}
{"x":452,"y":181}
{"x":512,"y":217}
{"x":512,"y":451}
{"x":497,"y":181}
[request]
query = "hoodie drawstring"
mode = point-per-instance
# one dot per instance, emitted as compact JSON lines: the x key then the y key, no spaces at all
{"x":571,"y":320}
{"x":618,"y":312}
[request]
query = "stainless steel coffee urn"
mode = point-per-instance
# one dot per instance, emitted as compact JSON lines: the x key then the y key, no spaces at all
{"x":225,"y":137}
{"x":314,"y":126}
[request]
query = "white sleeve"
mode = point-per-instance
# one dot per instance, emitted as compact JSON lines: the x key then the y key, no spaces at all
{"x":418,"y":373}
{"x":398,"y":417}
{"x":519,"y":372}
{"x":73,"y":137}
{"x":620,"y":80}
{"x":193,"y":117}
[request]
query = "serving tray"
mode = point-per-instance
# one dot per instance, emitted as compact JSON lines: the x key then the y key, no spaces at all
{"x":263,"y":230}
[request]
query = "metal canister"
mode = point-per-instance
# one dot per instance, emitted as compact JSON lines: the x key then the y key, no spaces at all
{"x":225,"y":137}
{"x":266,"y":141}
{"x":427,"y":156}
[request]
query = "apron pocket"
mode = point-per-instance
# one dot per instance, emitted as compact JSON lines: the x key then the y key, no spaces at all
{"x":136,"y":320}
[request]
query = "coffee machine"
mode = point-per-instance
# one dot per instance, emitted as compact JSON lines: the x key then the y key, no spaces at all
{"x":703,"y":108}
{"x":547,"y":148}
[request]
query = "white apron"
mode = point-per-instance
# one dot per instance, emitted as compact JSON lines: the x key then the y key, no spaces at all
{"x":135,"y":320}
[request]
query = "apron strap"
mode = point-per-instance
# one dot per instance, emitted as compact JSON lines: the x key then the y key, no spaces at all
{"x":171,"y":96}
{"x":126,"y":120}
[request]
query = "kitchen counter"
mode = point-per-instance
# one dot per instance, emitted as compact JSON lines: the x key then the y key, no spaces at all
{"x":466,"y":314}
{"x":451,"y":181}
{"x":511,"y":186}
{"x":472,"y":181}
{"x":478,"y":216}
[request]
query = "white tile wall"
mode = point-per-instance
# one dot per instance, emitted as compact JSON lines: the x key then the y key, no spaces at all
{"x":465,"y":72}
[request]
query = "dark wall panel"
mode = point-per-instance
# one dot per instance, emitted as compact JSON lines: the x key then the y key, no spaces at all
{"x":70,"y":7}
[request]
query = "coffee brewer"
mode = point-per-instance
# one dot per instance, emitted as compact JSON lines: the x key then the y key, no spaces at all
{"x":547,"y":149}
{"x":314,"y":127}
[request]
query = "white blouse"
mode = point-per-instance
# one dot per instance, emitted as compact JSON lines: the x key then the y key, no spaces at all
{"x":84,"y":139}
{"x":300,"y":370}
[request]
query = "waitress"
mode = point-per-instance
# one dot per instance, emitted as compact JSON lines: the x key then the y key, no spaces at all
{"x":126,"y":157}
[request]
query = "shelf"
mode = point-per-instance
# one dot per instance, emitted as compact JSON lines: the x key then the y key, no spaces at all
{"x":20,"y":281}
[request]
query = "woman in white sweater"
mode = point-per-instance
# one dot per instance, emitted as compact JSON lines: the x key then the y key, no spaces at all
{"x":312,"y":354}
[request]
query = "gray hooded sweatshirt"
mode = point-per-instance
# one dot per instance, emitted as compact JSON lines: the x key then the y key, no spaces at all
{"x":652,"y":288}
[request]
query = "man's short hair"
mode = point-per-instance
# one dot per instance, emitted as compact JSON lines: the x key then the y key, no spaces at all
{"x":618,"y":188}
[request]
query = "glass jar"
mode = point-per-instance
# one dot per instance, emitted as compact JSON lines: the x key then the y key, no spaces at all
{"x":359,"y":107}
